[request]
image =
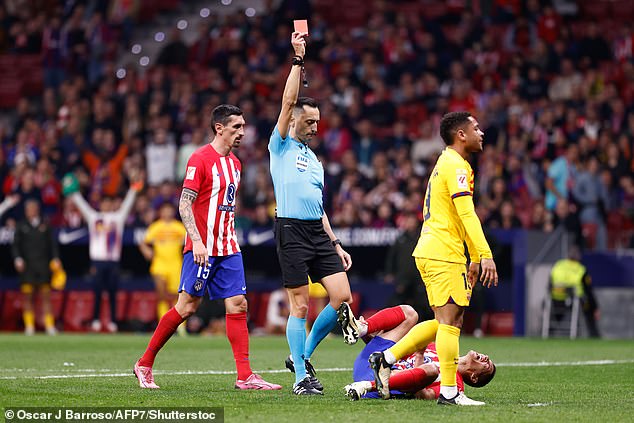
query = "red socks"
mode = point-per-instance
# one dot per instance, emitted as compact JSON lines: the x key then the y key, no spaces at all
{"x":238,"y":335}
{"x":165,"y":329}
{"x":386,"y":319}
{"x":411,"y":380}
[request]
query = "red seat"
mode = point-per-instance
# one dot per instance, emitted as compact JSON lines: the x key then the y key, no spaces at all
{"x":78,"y":309}
{"x":122,"y":306}
{"x":141,"y":306}
{"x":11,"y":313}
{"x":260,"y":318}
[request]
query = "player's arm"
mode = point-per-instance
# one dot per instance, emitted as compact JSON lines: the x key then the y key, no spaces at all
{"x":146,"y":245}
{"x":466,"y":212}
{"x":343,"y":255}
{"x":9,"y":202}
{"x":474,"y":265}
{"x":16,"y":250}
{"x":188,"y":196}
{"x":291,"y":89}
{"x":87,"y":212}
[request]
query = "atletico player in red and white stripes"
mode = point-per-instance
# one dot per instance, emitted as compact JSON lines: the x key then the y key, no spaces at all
{"x":212,"y":261}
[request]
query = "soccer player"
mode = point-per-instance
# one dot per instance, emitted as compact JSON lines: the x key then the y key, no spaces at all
{"x":306,"y":244}
{"x":450,"y":221}
{"x":105,"y":229}
{"x":212,"y":261}
{"x":35,"y":252}
{"x":415,"y":376}
{"x":163,"y":246}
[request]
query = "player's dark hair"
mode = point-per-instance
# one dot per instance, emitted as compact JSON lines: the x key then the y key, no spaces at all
{"x":450,"y":123}
{"x":222,"y":113}
{"x":482,"y":379}
{"x":306,"y":101}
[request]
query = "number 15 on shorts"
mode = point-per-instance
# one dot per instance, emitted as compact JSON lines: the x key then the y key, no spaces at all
{"x":203,"y":271}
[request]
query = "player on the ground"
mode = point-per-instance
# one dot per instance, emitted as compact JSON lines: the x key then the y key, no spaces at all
{"x":306,"y":244}
{"x":416,"y":376}
{"x":450,"y":221}
{"x":212,"y":261}
{"x":163,"y":246}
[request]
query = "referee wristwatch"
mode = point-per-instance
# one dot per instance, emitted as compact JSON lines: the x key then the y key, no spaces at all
{"x":336,"y":242}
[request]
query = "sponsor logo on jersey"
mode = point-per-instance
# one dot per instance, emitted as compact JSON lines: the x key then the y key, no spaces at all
{"x":191,"y":171}
{"x":231,"y":192}
{"x":226,"y":208}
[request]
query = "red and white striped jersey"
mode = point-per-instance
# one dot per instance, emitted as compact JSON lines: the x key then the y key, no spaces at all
{"x":430,"y":356}
{"x":215,"y":178}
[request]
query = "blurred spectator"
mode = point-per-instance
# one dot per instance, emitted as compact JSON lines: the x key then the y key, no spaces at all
{"x":591,"y":196}
{"x":277,"y":312}
{"x":160,"y":156}
{"x":561,"y":176}
{"x":105,"y":229}
{"x":35,"y":253}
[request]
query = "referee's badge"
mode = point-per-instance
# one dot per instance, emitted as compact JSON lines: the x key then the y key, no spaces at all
{"x":301,"y":163}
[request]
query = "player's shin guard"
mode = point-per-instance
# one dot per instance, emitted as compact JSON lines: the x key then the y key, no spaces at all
{"x":447,"y":346}
{"x":296,"y":337}
{"x":416,"y":339}
{"x":238,"y":335}
{"x":324,"y":323}
{"x":165,"y":329}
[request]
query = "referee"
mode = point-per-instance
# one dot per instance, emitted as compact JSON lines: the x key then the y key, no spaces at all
{"x":306,"y":245}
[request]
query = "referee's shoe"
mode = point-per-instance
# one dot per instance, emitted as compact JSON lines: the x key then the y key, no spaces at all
{"x":305,"y":387}
{"x":315,"y":383}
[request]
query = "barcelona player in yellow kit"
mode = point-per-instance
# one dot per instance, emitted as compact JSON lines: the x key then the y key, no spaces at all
{"x":450,"y":222}
{"x":163,"y":245}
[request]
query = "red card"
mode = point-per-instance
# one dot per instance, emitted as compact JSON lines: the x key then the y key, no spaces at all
{"x":301,"y":25}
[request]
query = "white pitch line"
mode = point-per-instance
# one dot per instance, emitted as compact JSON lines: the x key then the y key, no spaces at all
{"x":121,"y":373}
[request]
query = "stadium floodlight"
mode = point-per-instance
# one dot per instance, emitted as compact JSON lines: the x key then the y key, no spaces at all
{"x":250,"y":12}
{"x":144,"y":61}
{"x":226,"y":2}
{"x":136,"y":49}
{"x":159,"y":36}
{"x":205,"y":12}
{"x":121,"y":73}
{"x":182,"y":24}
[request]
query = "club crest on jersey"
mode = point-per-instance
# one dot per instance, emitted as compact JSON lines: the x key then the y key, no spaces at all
{"x":231,"y":192}
{"x":301,"y":163}
{"x":198,"y":285}
{"x":191,"y":171}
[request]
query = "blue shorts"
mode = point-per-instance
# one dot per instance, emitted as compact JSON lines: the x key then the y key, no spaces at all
{"x":222,"y":278}
{"x":362,"y":370}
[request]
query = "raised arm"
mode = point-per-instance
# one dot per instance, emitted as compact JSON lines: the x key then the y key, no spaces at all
{"x":87,"y":212}
{"x":9,"y":202}
{"x":291,"y":89}
{"x":343,"y":255}
{"x":199,"y":250}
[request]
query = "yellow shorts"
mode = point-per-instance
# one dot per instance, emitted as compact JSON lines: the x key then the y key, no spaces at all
{"x":316,"y":290}
{"x":444,"y":280}
{"x":171,"y":274}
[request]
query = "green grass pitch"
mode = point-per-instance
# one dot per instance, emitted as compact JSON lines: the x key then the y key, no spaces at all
{"x":537,"y":381}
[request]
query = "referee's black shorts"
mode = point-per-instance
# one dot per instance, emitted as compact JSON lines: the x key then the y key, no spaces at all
{"x":304,"y":249}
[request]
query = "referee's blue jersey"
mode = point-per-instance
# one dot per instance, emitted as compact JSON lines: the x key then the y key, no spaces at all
{"x":298,"y":178}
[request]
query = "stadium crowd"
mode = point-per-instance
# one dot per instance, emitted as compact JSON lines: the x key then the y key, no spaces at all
{"x":554,"y":94}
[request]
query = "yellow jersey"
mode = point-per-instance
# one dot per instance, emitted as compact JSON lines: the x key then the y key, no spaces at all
{"x":167,"y":239}
{"x":450,"y":218}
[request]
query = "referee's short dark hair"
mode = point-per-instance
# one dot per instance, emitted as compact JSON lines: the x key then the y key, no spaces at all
{"x":450,"y":123}
{"x":221,"y":114}
{"x":306,"y":101}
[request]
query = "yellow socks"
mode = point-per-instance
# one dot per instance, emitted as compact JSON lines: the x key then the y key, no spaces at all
{"x":161,"y":308}
{"x":416,"y":339}
{"x":29,"y":319}
{"x":49,"y":321}
{"x":447,"y":347}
